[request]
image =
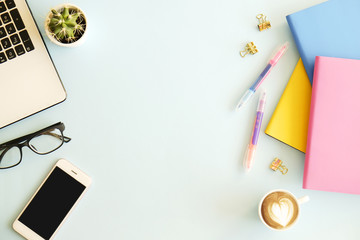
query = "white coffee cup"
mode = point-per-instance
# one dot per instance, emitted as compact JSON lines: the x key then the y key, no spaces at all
{"x":281,"y":217}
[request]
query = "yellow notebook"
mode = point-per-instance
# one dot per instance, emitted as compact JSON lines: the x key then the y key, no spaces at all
{"x":289,"y":122}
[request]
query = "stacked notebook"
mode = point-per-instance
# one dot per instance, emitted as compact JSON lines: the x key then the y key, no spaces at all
{"x":332,"y":157}
{"x":327,"y":29}
{"x":289,"y":122}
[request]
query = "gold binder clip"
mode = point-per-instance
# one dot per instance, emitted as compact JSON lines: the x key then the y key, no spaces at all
{"x":277,"y":165}
{"x":264,"y":23}
{"x":249,"y":48}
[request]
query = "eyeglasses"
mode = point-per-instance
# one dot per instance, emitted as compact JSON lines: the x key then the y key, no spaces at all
{"x":41,"y":142}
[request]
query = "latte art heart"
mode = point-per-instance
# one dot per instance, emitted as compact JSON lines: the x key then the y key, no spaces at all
{"x":279,"y":210}
{"x":282,"y":211}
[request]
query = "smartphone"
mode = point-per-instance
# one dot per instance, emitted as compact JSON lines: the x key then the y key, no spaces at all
{"x":52,"y":202}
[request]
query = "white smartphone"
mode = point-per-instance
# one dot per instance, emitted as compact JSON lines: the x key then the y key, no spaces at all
{"x":52,"y":202}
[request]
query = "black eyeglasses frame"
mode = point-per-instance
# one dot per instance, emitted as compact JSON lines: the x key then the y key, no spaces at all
{"x":24,"y":141}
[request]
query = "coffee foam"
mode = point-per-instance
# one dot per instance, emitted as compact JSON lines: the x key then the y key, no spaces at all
{"x":279,"y":210}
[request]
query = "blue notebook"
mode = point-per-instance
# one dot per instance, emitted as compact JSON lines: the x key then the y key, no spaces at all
{"x":328,"y":29}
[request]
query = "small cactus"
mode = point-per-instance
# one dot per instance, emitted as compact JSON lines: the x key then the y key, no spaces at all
{"x":66,"y":25}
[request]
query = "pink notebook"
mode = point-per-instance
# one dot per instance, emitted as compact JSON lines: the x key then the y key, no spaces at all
{"x":332,"y":160}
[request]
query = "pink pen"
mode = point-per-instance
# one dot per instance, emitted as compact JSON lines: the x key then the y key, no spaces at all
{"x":273,"y":61}
{"x":249,"y":156}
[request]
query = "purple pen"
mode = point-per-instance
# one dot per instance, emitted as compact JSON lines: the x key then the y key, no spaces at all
{"x":249,"y":157}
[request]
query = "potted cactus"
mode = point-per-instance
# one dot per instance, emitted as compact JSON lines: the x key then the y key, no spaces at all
{"x":66,"y":25}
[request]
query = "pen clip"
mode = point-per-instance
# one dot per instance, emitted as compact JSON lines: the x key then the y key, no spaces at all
{"x":249,"y":48}
{"x":263,"y":22}
{"x":277,"y":164}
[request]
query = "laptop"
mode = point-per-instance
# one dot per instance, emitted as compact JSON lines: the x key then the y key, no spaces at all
{"x":29,"y":82}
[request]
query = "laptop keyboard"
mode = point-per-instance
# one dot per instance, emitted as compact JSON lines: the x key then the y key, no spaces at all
{"x":14,"y":39}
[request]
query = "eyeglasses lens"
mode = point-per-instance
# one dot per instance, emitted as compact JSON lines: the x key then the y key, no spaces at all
{"x":47,"y":142}
{"x":11,"y":157}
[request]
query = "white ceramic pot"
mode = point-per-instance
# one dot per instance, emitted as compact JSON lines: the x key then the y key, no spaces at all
{"x":53,"y":39}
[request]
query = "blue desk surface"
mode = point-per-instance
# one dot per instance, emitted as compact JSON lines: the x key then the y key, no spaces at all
{"x":150,"y":108}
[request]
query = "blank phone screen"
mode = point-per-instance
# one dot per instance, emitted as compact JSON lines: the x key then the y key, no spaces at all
{"x":52,"y":203}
